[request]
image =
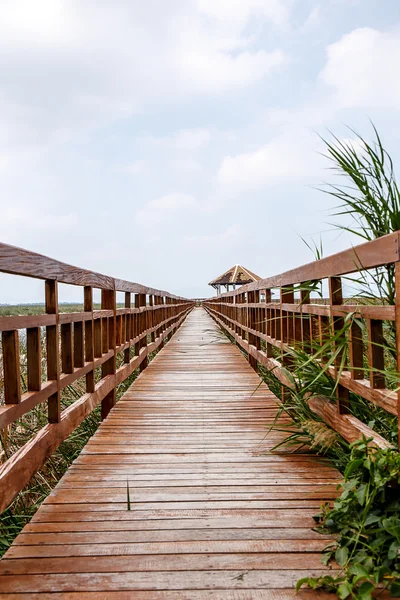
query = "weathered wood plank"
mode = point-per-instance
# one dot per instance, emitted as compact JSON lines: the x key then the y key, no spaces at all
{"x":212,"y":511}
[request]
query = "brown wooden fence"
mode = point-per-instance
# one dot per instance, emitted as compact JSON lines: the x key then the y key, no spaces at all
{"x":90,"y":344}
{"x":268,"y":330}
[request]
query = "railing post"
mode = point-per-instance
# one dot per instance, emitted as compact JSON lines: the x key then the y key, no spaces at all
{"x":269,"y":324}
{"x":251,"y":324}
{"x":11,"y":365}
{"x":305,"y":319}
{"x":52,"y":350}
{"x":89,"y":345}
{"x":128,"y":328}
{"x":34,"y":359}
{"x":397,"y":330}
{"x":337,"y":323}
{"x":108,"y":302}
{"x":286,"y":322}
{"x":150,"y":320}
{"x":140,"y":302}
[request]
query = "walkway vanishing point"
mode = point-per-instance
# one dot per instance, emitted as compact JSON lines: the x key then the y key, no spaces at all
{"x":177,"y":495}
{"x":213,"y":515}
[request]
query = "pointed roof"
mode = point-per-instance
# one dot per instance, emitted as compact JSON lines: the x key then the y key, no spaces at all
{"x":236,"y":275}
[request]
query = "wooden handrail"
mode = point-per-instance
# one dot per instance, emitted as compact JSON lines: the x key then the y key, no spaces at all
{"x":114,"y":341}
{"x":269,"y":330}
{"x":18,"y":261}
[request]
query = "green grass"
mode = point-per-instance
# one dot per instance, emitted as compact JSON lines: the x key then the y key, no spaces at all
{"x":12,"y":310}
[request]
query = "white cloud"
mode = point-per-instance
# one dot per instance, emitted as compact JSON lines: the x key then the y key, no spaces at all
{"x":291,"y":155}
{"x":213,"y":71}
{"x":361,"y":68}
{"x":229,"y":236}
{"x":18,"y":221}
{"x":34,"y":23}
{"x":158,"y":210}
{"x":237,"y":13}
{"x":184,"y":139}
{"x":135,"y":168}
{"x":87,"y":64}
{"x":313,"y":20}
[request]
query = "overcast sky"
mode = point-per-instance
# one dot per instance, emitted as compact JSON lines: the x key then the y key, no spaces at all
{"x":163,"y":141}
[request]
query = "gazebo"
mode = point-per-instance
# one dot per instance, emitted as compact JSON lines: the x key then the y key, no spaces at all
{"x":232,"y":278}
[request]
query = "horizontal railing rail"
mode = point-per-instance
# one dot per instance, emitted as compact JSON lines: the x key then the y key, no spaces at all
{"x":102,"y":346}
{"x":268,"y":330}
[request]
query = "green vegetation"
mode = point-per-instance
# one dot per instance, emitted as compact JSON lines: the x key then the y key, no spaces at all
{"x":366,"y":521}
{"x":366,"y":516}
{"x":10,"y":310}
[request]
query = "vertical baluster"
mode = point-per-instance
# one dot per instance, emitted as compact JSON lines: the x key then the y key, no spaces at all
{"x":286,"y":322}
{"x":305,"y":319}
{"x":98,"y":341}
{"x":397,"y":326}
{"x":108,"y":302}
{"x":337,"y":323}
{"x":256,"y":319}
{"x":127,"y":335}
{"x":118,"y":330}
{"x":151,"y":322}
{"x":251,"y":325}
{"x":356,"y":351}
{"x":79,"y":350}
{"x":376,"y":361}
{"x":161,"y":318}
{"x":268,"y":323}
{"x":11,"y":366}
{"x":34,"y":359}
{"x":67,"y":352}
{"x":104,"y":335}
{"x":298,"y":326}
{"x":52,"y":351}
{"x":89,"y":345}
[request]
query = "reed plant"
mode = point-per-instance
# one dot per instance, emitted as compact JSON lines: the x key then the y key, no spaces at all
{"x":366,"y":516}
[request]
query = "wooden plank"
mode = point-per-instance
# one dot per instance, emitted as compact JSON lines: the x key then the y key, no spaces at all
{"x":211,"y":509}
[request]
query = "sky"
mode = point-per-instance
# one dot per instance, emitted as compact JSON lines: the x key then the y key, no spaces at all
{"x":163,"y":142}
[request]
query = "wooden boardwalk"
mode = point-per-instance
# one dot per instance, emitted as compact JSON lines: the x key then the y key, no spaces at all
{"x":212,"y":514}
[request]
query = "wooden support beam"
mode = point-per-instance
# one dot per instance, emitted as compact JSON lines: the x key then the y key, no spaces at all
{"x":52,"y":350}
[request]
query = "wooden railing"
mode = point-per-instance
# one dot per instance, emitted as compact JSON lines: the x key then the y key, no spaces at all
{"x":268,"y":330}
{"x":103,"y":346}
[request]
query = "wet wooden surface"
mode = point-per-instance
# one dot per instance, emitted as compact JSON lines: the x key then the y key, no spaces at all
{"x":212,"y":513}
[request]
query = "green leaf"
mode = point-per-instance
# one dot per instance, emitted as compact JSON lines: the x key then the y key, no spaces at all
{"x":365,"y":591}
{"x":341,"y":556}
{"x":361,"y":493}
{"x":392,"y":526}
{"x":393,"y":550}
{"x":394,"y":589}
{"x":344,"y":590}
{"x":358,"y":570}
{"x":301,"y":582}
{"x":353,"y":466}
{"x":371,"y":519}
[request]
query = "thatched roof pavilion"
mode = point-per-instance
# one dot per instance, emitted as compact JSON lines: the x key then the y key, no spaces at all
{"x":232,"y":278}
